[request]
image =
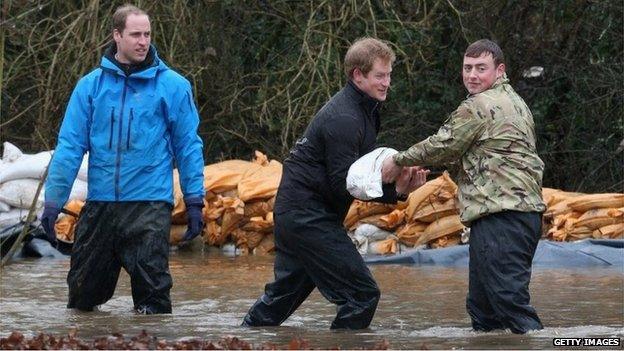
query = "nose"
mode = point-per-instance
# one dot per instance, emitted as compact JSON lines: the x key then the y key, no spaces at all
{"x":472,"y":73}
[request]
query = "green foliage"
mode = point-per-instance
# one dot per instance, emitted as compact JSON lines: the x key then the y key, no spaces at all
{"x":261,"y":70}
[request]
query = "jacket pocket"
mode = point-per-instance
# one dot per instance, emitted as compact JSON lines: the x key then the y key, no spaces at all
{"x":112,"y":124}
{"x":129,"y":128}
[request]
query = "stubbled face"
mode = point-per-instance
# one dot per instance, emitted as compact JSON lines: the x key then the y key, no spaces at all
{"x":377,"y":82}
{"x":134,"y":41}
{"x":480,"y":73}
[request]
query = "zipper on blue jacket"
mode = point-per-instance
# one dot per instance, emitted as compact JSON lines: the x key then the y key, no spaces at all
{"x":110,"y":139}
{"x":129,"y":127}
{"x":118,"y":161}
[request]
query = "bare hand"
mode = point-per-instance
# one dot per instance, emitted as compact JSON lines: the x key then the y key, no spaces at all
{"x":389,"y":170}
{"x":410,"y":179}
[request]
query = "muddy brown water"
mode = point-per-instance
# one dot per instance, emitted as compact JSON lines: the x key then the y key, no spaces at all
{"x":420,"y":307}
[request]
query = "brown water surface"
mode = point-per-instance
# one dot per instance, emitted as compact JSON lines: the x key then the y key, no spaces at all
{"x":420,"y":306}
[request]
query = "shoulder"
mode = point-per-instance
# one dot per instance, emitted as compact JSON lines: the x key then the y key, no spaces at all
{"x":172,"y":78}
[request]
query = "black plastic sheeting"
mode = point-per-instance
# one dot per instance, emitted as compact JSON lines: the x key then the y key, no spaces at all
{"x":584,"y":253}
{"x":34,"y":244}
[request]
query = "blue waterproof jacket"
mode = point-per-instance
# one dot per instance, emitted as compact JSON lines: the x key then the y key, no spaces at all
{"x":133,"y":128}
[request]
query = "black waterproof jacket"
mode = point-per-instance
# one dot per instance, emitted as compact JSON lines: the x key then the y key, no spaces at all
{"x":316,"y":169}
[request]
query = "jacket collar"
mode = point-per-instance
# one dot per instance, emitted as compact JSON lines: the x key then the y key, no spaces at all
{"x":499,"y":82}
{"x":368,"y":103}
{"x":145,"y":70}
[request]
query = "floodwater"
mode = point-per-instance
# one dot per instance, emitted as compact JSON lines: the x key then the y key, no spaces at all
{"x":420,"y":307}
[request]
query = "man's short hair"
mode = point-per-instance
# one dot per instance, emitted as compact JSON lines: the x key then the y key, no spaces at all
{"x":477,"y":48}
{"x":362,"y":55}
{"x":121,"y":14}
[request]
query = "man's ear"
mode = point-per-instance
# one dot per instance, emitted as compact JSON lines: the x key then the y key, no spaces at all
{"x":500,"y":70}
{"x":116,"y":35}
{"x":357,"y":75}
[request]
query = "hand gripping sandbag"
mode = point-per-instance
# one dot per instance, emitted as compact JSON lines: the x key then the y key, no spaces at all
{"x":364,"y":177}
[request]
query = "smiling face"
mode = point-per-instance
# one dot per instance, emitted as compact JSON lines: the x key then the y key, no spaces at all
{"x":480,"y":73}
{"x":377,"y":82}
{"x":134,"y":41}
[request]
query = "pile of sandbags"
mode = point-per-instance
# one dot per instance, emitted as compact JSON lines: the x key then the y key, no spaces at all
{"x":576,"y":216}
{"x":238,"y":207}
{"x":428,"y":217}
{"x":20,"y":175}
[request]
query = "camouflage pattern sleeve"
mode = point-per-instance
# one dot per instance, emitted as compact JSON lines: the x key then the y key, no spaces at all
{"x":451,"y":141}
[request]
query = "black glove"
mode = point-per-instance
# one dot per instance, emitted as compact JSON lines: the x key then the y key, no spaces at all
{"x":48,"y":219}
{"x":194,"y":217}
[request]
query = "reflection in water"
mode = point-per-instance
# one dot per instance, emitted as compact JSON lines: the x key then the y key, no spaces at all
{"x":419,"y":307}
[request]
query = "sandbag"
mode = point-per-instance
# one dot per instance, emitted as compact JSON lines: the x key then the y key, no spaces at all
{"x":26,"y":166}
{"x":83,"y":172}
{"x":388,"y":246}
{"x":587,"y":202}
{"x":20,"y":193}
{"x":441,"y":227}
{"x":176,"y":233}
{"x":600,"y":217}
{"x":260,"y":183}
{"x":360,"y":209}
{"x":10,"y":153}
{"x":4,"y":207}
{"x":433,"y":211}
{"x":226,"y":175}
{"x":12,"y":217}
{"x":364,"y":175}
{"x":438,"y":190}
{"x":410,"y":232}
{"x":612,"y":231}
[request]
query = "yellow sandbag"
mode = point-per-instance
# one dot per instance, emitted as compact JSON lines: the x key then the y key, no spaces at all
{"x":612,"y":231}
{"x":431,"y":212}
{"x":393,"y":219}
{"x":260,"y":183}
{"x":410,"y":232}
{"x":266,"y":246}
{"x":212,"y":234}
{"x":554,"y":196}
{"x":360,"y":209}
{"x":260,"y":158}
{"x":443,"y":226}
{"x":374,"y":220}
{"x":224,"y":176}
{"x":587,"y":202}
{"x":446,"y":241}
{"x":439,"y":189}
{"x":176,"y":233}
{"x":579,"y":233}
{"x":383,"y":247}
{"x":600,"y":217}
{"x":258,"y":208}
{"x":259,"y":224}
{"x":247,"y":239}
{"x":561,"y":208}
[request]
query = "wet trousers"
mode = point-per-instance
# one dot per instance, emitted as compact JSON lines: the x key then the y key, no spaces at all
{"x":502,"y":246}
{"x":314,"y":250}
{"x":112,"y":235}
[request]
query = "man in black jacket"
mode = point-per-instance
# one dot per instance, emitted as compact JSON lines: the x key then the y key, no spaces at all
{"x":312,"y":246}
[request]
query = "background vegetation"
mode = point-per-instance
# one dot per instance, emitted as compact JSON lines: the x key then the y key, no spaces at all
{"x":261,"y":69}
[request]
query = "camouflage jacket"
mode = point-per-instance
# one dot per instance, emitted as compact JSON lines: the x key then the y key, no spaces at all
{"x":491,"y":140}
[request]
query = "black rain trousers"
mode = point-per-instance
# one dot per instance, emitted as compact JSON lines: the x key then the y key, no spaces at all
{"x":502,"y":246}
{"x":314,"y":250}
{"x":112,"y":235}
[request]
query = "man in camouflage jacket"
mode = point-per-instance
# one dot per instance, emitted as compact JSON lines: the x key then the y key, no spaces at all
{"x":491,"y":138}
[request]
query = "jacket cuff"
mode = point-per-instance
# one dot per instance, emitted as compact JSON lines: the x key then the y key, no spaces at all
{"x":195,"y":201}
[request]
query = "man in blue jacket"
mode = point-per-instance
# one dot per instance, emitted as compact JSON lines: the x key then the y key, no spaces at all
{"x":134,"y":115}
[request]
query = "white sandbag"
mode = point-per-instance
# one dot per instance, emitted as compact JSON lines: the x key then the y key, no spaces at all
{"x":12,"y":217}
{"x":26,"y":166}
{"x":365,"y":234}
{"x":10,"y":153}
{"x":4,"y":207}
{"x":84,"y":167}
{"x":364,"y":176}
{"x":78,"y":191}
{"x":20,"y":193}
